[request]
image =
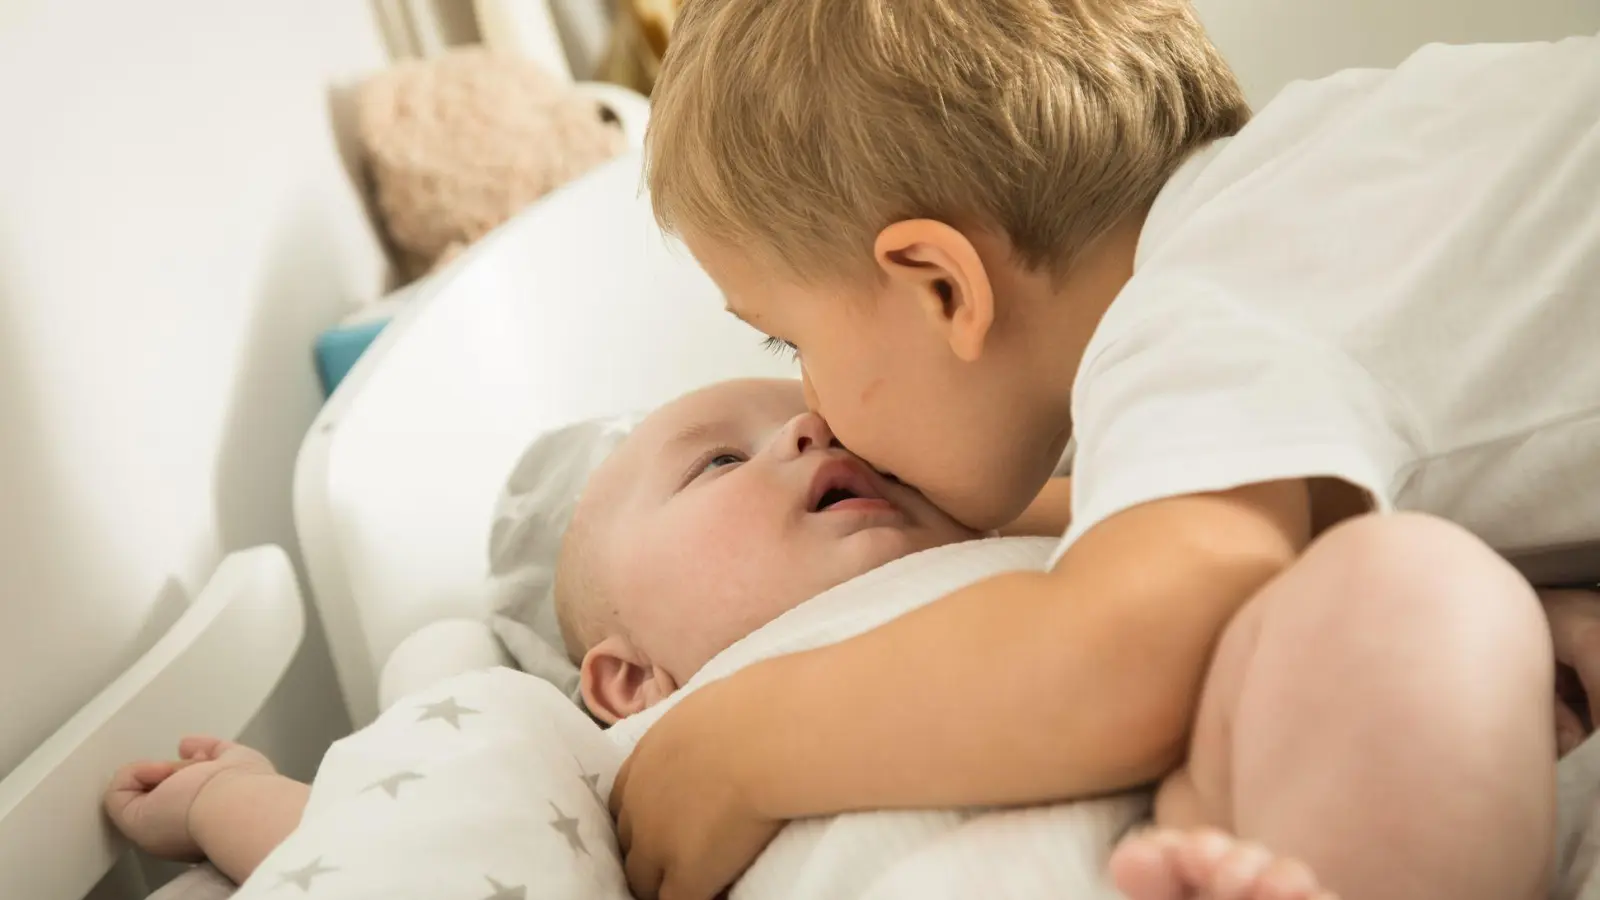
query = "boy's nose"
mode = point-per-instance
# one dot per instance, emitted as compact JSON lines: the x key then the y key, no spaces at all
{"x":808,"y":431}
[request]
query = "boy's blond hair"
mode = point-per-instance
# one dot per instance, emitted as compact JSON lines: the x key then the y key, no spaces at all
{"x":798,"y":129}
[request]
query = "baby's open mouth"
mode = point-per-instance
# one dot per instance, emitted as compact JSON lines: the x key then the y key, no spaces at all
{"x":843,"y":484}
{"x":834,"y":496}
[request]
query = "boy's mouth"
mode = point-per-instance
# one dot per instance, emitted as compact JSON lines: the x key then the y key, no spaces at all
{"x":843,"y":484}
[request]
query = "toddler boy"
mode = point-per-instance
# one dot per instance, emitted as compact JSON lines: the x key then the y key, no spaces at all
{"x":988,"y":226}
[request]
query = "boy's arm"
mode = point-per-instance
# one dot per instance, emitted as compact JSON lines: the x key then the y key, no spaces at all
{"x":240,"y":817}
{"x":1026,"y":687}
{"x":1048,"y":515}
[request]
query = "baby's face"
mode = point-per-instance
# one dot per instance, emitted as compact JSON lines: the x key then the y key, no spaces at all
{"x":733,"y":504}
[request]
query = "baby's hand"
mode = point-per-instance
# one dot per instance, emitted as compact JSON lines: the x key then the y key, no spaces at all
{"x":1575,"y":630}
{"x":149,"y":801}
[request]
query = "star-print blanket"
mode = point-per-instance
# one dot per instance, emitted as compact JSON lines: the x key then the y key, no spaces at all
{"x":490,"y":786}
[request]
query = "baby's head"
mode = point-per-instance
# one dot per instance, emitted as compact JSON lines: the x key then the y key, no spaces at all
{"x":934,"y":202}
{"x":722,"y":510}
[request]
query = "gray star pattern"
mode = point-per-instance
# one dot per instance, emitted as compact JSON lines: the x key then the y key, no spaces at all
{"x":568,"y":828}
{"x":592,"y":782}
{"x":447,"y":710}
{"x":303,"y":877}
{"x":506,"y":892}
{"x":391,"y":785}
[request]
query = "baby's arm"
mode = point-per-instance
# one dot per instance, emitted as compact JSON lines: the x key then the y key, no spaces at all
{"x":220,"y":801}
{"x":1026,"y":687}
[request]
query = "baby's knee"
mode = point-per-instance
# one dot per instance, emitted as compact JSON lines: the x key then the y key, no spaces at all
{"x":1414,"y":571}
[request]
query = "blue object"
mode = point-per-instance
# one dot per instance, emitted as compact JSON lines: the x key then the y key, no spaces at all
{"x":338,"y":348}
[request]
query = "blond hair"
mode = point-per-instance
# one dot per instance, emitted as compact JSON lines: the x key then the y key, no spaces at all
{"x":798,"y":129}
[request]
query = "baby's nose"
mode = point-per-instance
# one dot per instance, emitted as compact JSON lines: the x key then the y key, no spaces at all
{"x":808,"y":431}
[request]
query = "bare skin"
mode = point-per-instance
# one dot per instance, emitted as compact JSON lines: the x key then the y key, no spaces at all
{"x":1202,"y":849}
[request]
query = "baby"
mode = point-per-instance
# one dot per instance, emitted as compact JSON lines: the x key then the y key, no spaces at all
{"x":721,"y":511}
{"x":724,"y":509}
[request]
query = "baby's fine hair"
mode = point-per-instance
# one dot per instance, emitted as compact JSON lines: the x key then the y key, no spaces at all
{"x":579,"y":603}
{"x":798,"y":129}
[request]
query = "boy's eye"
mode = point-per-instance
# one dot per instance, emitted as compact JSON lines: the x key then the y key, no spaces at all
{"x":781,"y":347}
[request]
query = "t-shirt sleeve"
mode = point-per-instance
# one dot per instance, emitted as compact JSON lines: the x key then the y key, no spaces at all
{"x":1191,"y":394}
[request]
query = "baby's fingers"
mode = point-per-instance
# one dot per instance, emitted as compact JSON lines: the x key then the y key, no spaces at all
{"x":131,"y":782}
{"x":141,"y":776}
{"x":200,"y":747}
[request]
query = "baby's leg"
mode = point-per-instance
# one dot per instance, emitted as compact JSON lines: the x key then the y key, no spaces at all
{"x":1381,"y":712}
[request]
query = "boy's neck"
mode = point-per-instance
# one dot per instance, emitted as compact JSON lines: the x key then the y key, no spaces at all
{"x":1068,"y":308}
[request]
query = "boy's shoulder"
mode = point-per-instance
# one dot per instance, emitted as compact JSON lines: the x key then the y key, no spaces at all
{"x":1351,"y":178}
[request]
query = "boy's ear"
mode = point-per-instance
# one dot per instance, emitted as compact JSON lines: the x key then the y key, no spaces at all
{"x":945,"y":273}
{"x":618,"y":681}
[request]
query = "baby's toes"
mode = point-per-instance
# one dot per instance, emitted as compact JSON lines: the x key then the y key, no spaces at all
{"x":1238,"y":872}
{"x":1145,"y":865}
{"x":1288,"y":879}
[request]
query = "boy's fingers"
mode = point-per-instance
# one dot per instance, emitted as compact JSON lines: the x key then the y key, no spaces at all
{"x":619,"y":786}
{"x":624,"y":832}
{"x":644,"y":877}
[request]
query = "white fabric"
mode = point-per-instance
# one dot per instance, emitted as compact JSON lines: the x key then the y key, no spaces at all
{"x":530,"y":520}
{"x":436,"y":651}
{"x":483,"y":786}
{"x":1389,"y":277}
{"x":1054,"y":851}
{"x":491,"y":785}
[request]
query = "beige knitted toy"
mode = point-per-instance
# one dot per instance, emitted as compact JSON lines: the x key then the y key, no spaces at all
{"x":457,"y":144}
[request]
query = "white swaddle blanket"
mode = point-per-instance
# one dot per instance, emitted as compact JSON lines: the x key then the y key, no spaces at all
{"x":1052,"y":851}
{"x":491,"y":786}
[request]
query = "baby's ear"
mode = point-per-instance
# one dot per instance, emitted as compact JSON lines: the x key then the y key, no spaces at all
{"x":618,"y":681}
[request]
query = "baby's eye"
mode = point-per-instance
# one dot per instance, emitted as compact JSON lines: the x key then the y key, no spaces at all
{"x":722,"y":459}
{"x":781,"y":347}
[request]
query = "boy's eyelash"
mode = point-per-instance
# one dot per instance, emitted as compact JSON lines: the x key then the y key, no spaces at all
{"x":780,"y":347}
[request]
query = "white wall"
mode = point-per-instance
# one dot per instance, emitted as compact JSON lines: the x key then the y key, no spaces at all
{"x":175,"y":225}
{"x":1271,"y":42}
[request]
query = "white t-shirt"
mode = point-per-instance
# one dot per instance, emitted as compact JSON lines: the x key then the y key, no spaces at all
{"x":1389,"y":277}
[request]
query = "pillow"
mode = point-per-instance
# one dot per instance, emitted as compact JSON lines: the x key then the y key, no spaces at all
{"x":530,"y":519}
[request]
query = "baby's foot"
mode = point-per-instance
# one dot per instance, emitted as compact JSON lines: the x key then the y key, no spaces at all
{"x":1163,"y":864}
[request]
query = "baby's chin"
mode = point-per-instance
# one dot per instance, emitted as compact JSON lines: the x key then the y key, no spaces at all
{"x":870,"y":548}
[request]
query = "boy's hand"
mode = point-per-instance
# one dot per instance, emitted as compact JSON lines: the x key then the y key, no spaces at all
{"x":685,"y":825}
{"x":1575,"y":631}
{"x":150,"y":801}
